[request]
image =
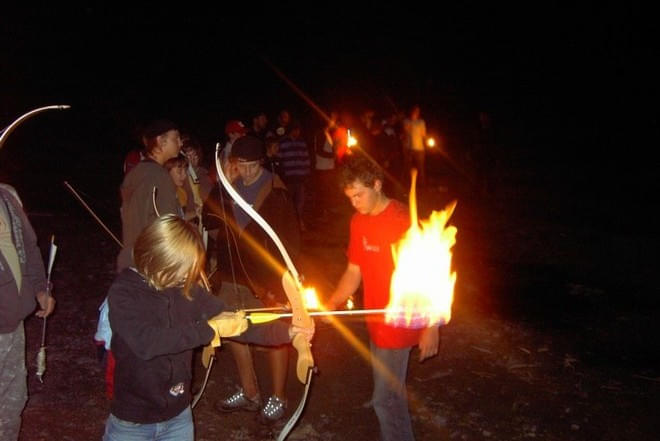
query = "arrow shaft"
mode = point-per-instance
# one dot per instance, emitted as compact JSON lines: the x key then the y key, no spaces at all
{"x":96,"y":218}
{"x":263,"y":317}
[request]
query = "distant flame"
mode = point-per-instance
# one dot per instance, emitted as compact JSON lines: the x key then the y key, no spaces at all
{"x":352,"y":141}
{"x":430,"y":143}
{"x":422,"y":286}
{"x":311,"y":299}
{"x":350,"y":304}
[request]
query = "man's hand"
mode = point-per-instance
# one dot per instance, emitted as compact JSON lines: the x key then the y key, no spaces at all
{"x":46,"y":304}
{"x":429,"y":340}
{"x":230,"y":170}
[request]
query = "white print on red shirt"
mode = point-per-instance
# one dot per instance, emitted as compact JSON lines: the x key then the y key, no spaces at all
{"x":367,"y":247}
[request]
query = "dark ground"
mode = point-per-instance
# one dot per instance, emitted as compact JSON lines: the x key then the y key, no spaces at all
{"x":553,"y":335}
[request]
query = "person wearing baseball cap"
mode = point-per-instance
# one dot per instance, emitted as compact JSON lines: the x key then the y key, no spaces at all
{"x":258,"y":277}
{"x":234,"y":129}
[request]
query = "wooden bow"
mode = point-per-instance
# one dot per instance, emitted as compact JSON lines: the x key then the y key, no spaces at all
{"x":293,"y":289}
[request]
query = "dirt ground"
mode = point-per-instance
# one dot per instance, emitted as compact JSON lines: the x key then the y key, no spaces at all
{"x":552,"y":335}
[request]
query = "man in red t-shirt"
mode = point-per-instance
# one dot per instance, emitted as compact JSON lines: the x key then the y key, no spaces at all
{"x":379,"y":223}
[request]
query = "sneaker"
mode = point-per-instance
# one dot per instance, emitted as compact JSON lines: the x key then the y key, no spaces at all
{"x":273,"y":410}
{"x":239,"y":401}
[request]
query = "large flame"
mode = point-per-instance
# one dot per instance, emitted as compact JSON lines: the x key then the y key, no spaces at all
{"x":422,"y":286}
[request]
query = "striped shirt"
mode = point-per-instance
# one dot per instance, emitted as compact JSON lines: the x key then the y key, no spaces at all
{"x":294,"y":158}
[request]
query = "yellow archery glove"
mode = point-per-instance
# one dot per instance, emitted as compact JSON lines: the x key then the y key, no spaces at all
{"x":227,"y":324}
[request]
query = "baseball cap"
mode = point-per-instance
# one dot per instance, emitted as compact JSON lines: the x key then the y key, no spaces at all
{"x":235,"y":126}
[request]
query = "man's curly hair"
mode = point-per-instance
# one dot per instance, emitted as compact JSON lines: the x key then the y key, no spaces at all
{"x":358,"y":167}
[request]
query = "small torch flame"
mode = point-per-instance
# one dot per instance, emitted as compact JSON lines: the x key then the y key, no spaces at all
{"x":422,"y":286}
{"x":430,"y":143}
{"x":352,"y":141}
{"x":350,"y":304}
{"x":310,"y":299}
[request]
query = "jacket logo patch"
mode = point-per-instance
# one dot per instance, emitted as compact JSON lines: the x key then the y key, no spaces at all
{"x":177,"y":389}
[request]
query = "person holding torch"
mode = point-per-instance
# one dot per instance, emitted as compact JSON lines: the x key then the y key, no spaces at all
{"x":378,"y":223}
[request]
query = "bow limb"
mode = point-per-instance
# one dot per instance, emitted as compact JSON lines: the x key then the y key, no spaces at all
{"x":10,"y":128}
{"x":290,"y":279}
{"x":293,"y":288}
{"x":257,"y":218}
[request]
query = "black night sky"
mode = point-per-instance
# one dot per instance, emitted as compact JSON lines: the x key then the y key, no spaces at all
{"x":571,"y":89}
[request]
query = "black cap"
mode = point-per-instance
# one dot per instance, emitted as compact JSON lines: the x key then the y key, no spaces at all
{"x":158,"y":127}
{"x":248,"y":148}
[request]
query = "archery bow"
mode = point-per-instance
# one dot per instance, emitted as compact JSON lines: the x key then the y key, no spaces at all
{"x":292,"y":285}
{"x":10,"y":128}
{"x":41,"y":355}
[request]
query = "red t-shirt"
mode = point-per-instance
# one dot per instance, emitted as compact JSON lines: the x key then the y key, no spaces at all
{"x":340,"y":142}
{"x":370,"y":247}
{"x":132,"y":159}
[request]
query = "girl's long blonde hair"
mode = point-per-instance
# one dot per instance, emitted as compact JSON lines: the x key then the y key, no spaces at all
{"x":169,"y":253}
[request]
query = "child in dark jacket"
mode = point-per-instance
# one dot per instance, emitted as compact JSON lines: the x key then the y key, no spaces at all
{"x":160,"y":310}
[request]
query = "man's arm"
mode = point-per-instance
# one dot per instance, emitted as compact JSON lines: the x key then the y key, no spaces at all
{"x":34,"y":261}
{"x":348,"y":284}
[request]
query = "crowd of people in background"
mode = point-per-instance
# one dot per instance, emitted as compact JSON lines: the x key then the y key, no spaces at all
{"x":295,"y":177}
{"x":183,"y":237}
{"x":306,"y":155}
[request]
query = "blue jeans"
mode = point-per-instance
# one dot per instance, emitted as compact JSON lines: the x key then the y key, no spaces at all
{"x":390,"y":399}
{"x":179,"y":428}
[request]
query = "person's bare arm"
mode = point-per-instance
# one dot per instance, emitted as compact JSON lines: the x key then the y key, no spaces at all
{"x":348,"y":284}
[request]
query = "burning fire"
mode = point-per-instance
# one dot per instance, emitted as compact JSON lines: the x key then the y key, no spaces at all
{"x":310,"y":299}
{"x":349,"y":303}
{"x":352,"y":140}
{"x":422,"y":286}
{"x":430,"y":143}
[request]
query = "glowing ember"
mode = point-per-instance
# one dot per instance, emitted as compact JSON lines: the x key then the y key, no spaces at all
{"x":350,"y":304}
{"x":422,"y":286}
{"x":430,"y":143}
{"x":352,"y":141}
{"x":310,"y":299}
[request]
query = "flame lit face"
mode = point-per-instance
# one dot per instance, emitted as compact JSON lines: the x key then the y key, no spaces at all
{"x":178,"y":175}
{"x":261,"y":122}
{"x":365,"y":200}
{"x":170,"y":144}
{"x":249,"y":171}
{"x":284,"y":118}
{"x":192,"y":156}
